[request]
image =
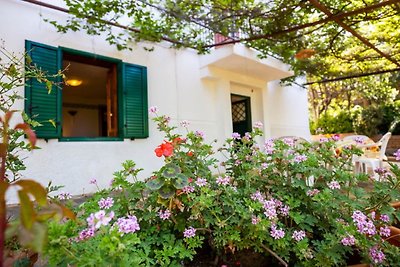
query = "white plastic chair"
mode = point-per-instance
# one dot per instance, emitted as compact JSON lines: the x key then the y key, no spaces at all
{"x":354,"y":137}
{"x":362,"y":162}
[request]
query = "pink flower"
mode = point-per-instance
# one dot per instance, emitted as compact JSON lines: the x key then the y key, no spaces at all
{"x":335,"y":137}
{"x":153,"y":109}
{"x":93,"y":181}
{"x":334,"y":185}
{"x":255,"y":219}
{"x":384,"y":218}
{"x":189,"y":232}
{"x":164,"y":215}
{"x":376,"y":255}
{"x":312,"y":192}
{"x":348,"y":241}
{"x":128,"y":225}
{"x":277,"y":233}
{"x":85,"y":234}
{"x":257,"y":196}
{"x":223,"y":180}
{"x":384,"y":231}
{"x":323,"y":140}
{"x":288,"y":141}
{"x":284,"y":210}
{"x":64,"y":196}
{"x":258,"y":125}
{"x":106,"y":203}
{"x":300,"y":158}
{"x":397,"y":154}
{"x":96,"y":220}
{"x":298,"y":235}
{"x":185,"y":123}
{"x":201,"y":182}
{"x":199,"y":134}
{"x":359,"y":140}
{"x":235,"y":135}
{"x":188,"y":189}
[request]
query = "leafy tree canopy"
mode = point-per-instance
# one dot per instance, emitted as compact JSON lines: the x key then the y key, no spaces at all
{"x":323,"y":38}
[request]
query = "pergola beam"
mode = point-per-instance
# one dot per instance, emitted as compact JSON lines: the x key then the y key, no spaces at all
{"x":318,"y":5}
{"x":353,"y":76}
{"x":311,"y":24}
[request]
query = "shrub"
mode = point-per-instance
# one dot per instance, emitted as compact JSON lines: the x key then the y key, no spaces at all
{"x":327,"y":123}
{"x":298,"y":202}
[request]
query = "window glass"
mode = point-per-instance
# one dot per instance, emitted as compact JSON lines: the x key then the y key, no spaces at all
{"x":89,"y":98}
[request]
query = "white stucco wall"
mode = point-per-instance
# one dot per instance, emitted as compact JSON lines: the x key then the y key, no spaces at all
{"x":179,"y":83}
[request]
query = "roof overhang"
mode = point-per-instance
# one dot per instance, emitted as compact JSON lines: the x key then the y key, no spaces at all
{"x":242,"y":60}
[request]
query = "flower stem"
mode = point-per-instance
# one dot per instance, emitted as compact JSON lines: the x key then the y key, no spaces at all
{"x":275,"y":255}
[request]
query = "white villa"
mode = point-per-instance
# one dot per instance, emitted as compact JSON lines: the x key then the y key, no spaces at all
{"x":102,"y":116}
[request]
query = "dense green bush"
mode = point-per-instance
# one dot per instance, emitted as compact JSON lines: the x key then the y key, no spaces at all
{"x":298,"y":202}
{"x":327,"y":123}
{"x":370,"y":121}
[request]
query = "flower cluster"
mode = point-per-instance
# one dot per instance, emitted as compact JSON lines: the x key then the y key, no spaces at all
{"x":106,"y":203}
{"x":96,"y":220}
{"x":277,"y":233}
{"x":223,"y":180}
{"x":189,"y":232}
{"x":300,"y":158}
{"x":269,"y":146}
{"x":235,"y":135}
{"x":164,"y":215}
{"x":258,"y":125}
{"x":364,"y":224}
{"x":349,"y":240}
{"x":312,"y":192}
{"x":128,"y":225}
{"x":298,"y":235}
{"x":188,"y":189}
{"x":272,"y":207}
{"x":376,"y":255}
{"x":64,"y":196}
{"x":334,"y":185}
{"x":200,"y":182}
{"x":397,"y":154}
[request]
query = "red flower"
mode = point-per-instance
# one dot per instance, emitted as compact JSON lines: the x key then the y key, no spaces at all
{"x":165,"y":149}
{"x":177,"y":141}
{"x":190,"y":154}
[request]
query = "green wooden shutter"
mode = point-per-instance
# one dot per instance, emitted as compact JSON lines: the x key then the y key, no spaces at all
{"x":135,"y":101}
{"x":41,"y":105}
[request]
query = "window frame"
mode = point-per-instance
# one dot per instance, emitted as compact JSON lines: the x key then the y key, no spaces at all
{"x":132,"y":121}
{"x":64,"y":50}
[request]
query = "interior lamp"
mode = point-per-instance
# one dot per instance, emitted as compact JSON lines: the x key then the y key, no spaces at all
{"x":74,"y":82}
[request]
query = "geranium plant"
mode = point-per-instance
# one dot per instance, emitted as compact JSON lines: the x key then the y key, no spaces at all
{"x":296,"y":203}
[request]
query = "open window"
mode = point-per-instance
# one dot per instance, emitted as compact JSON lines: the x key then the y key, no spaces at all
{"x":89,"y":98}
{"x":102,"y":98}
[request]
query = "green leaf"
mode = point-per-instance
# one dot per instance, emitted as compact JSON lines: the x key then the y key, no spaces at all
{"x":27,"y":214}
{"x":155,"y":184}
{"x":35,"y":237}
{"x":180,"y":181}
{"x":49,"y":86}
{"x":171,"y":170}
{"x":166,"y":191}
{"x":53,"y":123}
{"x":35,"y":189}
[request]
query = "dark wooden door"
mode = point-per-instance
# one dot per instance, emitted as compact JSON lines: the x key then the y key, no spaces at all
{"x":241,"y":114}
